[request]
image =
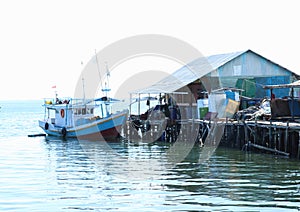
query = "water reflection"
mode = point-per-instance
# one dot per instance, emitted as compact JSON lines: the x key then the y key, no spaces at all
{"x":245,"y":179}
{"x":114,"y":176}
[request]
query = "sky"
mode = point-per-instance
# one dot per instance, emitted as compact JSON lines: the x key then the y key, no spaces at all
{"x":47,"y":43}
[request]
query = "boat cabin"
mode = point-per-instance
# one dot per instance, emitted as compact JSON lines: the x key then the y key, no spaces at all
{"x":72,"y":112}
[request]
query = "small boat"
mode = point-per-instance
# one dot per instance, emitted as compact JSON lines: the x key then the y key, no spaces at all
{"x":89,"y":119}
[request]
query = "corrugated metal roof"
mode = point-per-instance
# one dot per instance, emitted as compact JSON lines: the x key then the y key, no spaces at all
{"x":219,"y":60}
{"x":189,"y":73}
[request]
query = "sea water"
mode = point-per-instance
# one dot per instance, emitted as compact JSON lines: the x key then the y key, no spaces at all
{"x":51,"y":174}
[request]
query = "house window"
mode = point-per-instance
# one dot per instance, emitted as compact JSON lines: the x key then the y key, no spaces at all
{"x":237,"y":70}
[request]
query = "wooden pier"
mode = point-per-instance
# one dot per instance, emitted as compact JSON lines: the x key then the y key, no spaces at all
{"x":275,"y":137}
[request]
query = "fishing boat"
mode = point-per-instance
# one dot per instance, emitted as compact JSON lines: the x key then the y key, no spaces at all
{"x":89,"y":119}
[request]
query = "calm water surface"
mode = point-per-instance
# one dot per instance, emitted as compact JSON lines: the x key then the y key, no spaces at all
{"x":49,"y":174}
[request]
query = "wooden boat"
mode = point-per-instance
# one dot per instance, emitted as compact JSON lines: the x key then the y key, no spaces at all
{"x":89,"y":119}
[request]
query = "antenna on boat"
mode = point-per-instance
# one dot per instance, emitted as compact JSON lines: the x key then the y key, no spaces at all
{"x":55,"y":92}
{"x":83,"y":89}
{"x":106,"y":89}
{"x":107,"y":74}
{"x":98,"y":68}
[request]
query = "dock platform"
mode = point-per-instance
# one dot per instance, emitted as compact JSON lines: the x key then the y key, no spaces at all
{"x":272,"y":136}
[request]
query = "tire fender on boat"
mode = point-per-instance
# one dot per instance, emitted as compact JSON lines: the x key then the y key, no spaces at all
{"x":46,"y":126}
{"x":62,"y":113}
{"x":64,"y":132}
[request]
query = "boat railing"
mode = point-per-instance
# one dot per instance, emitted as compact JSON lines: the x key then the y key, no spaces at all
{"x":57,"y":101}
{"x":75,"y":102}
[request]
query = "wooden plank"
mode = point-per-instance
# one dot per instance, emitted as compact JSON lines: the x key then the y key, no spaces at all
{"x":269,"y":149}
{"x":37,"y":135}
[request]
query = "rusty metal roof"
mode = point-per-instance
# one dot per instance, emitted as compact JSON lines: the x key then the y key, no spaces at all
{"x":295,"y":84}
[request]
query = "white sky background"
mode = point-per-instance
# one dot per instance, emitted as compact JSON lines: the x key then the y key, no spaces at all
{"x":42,"y":43}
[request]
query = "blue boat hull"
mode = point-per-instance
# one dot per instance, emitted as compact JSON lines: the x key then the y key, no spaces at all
{"x":101,"y":129}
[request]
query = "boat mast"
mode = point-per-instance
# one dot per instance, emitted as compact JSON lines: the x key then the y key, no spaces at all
{"x":106,"y":89}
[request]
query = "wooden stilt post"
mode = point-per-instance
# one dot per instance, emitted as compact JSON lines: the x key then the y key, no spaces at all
{"x":293,"y":107}
{"x":292,"y":148}
{"x":233,"y":131}
{"x":298,"y":155}
{"x":270,"y":134}
{"x":182,"y":129}
{"x":237,"y":134}
{"x":286,"y":136}
{"x":279,"y":139}
{"x":226,"y":130}
{"x":264,"y":137}
{"x":192,"y":129}
{"x":246,"y":132}
{"x":255,"y":132}
{"x":128,"y":130}
{"x":275,"y":138}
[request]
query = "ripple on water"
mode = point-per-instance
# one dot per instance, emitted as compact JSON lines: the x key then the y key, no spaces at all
{"x":39,"y":174}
